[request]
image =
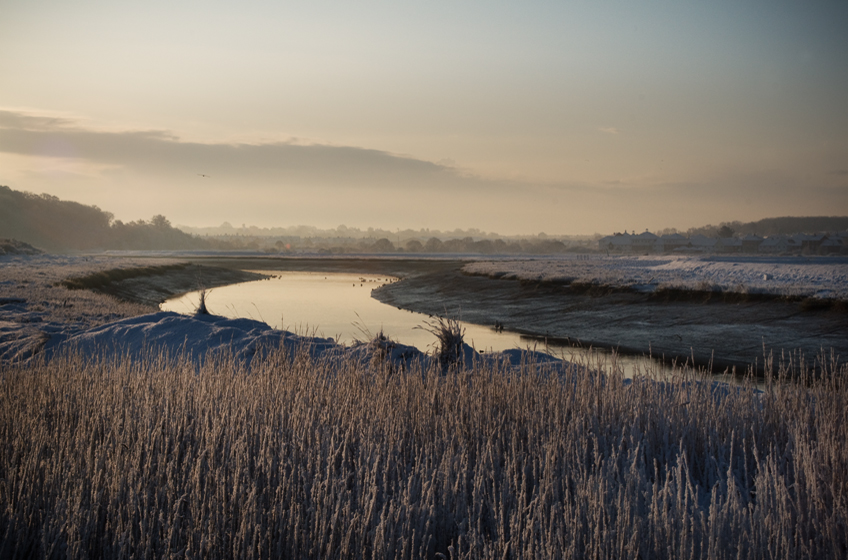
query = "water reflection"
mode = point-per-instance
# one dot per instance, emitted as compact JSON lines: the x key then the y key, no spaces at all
{"x":340,"y":306}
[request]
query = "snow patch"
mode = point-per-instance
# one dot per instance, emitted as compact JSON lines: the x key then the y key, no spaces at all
{"x":204,"y":337}
{"x":819,"y":277}
{"x":198,"y":337}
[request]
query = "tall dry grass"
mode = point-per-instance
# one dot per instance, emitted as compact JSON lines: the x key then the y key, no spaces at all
{"x":333,"y":459}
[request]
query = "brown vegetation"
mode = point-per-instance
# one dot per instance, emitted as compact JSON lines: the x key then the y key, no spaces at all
{"x":305,"y":459}
{"x":154,"y":283}
{"x":101,"y":280}
{"x":15,"y":247}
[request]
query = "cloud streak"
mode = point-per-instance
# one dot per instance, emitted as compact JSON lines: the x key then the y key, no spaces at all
{"x":162,"y":151}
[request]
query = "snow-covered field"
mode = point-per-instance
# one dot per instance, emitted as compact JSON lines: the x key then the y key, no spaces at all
{"x":818,"y":277}
{"x":34,"y":308}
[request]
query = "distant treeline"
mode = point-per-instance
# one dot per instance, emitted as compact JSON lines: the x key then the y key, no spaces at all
{"x":227,"y":230}
{"x":349,"y":245}
{"x":344,"y":239}
{"x":51,"y":224}
{"x":788,"y":225}
{"x":431,"y":245}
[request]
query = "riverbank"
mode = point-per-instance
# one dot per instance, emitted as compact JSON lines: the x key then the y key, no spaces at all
{"x":46,"y":296}
{"x":716,"y":329}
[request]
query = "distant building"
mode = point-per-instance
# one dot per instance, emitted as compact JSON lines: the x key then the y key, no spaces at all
{"x":810,"y":243}
{"x":617,"y":242}
{"x":830,"y":245}
{"x":701,"y":243}
{"x":644,"y":242}
{"x":776,"y":244}
{"x":671,"y":242}
{"x":751,"y":243}
{"x":728,"y":245}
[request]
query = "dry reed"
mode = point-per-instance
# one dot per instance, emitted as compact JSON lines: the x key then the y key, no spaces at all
{"x":299,"y":458}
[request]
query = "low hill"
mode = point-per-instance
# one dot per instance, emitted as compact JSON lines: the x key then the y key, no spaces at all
{"x":786,"y":225}
{"x":790,"y":225}
{"x":52,"y":224}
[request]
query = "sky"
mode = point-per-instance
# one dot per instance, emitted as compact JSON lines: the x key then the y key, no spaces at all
{"x":566,"y":117}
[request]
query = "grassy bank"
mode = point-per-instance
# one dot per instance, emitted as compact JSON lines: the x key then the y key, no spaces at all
{"x":151,"y":285}
{"x":101,"y":280}
{"x":305,"y":459}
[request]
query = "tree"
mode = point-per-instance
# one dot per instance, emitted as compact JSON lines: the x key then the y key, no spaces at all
{"x":383,"y":245}
{"x":414,"y":246}
{"x":725,"y":231}
{"x":433,"y":245}
{"x":160,"y":222}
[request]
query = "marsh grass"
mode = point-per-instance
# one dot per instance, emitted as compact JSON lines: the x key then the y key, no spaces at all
{"x":201,"y":305}
{"x":450,"y":337}
{"x":102,"y":278}
{"x":303,"y":458}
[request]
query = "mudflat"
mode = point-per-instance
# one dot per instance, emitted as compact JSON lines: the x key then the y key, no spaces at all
{"x":721,"y":332}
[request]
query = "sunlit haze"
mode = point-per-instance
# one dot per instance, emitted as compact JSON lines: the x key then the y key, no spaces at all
{"x":562,"y":117}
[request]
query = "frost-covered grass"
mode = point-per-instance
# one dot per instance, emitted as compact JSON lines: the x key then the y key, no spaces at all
{"x":306,"y":458}
{"x":39,"y":281}
{"x":819,"y":277}
{"x":35,"y":306}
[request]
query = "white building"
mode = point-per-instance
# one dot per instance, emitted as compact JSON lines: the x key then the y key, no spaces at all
{"x":644,"y":242}
{"x":671,"y":242}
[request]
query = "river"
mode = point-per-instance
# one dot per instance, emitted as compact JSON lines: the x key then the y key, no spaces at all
{"x":339,"y":305}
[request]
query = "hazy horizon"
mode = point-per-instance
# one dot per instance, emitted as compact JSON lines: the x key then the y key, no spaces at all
{"x":568,"y":119}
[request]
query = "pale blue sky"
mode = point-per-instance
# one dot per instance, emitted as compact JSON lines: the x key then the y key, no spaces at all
{"x":564,"y":117}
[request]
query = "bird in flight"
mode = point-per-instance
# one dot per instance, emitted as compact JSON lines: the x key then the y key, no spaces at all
{"x":202,"y":175}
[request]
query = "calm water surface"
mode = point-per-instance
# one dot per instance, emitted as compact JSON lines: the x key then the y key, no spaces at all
{"x":340,"y":306}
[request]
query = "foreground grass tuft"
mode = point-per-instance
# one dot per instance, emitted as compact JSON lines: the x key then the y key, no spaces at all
{"x":334,"y":459}
{"x":450,"y":337}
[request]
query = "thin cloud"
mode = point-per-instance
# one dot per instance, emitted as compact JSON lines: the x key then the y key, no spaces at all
{"x":23,"y":121}
{"x":162,"y":151}
{"x":610,"y":130}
